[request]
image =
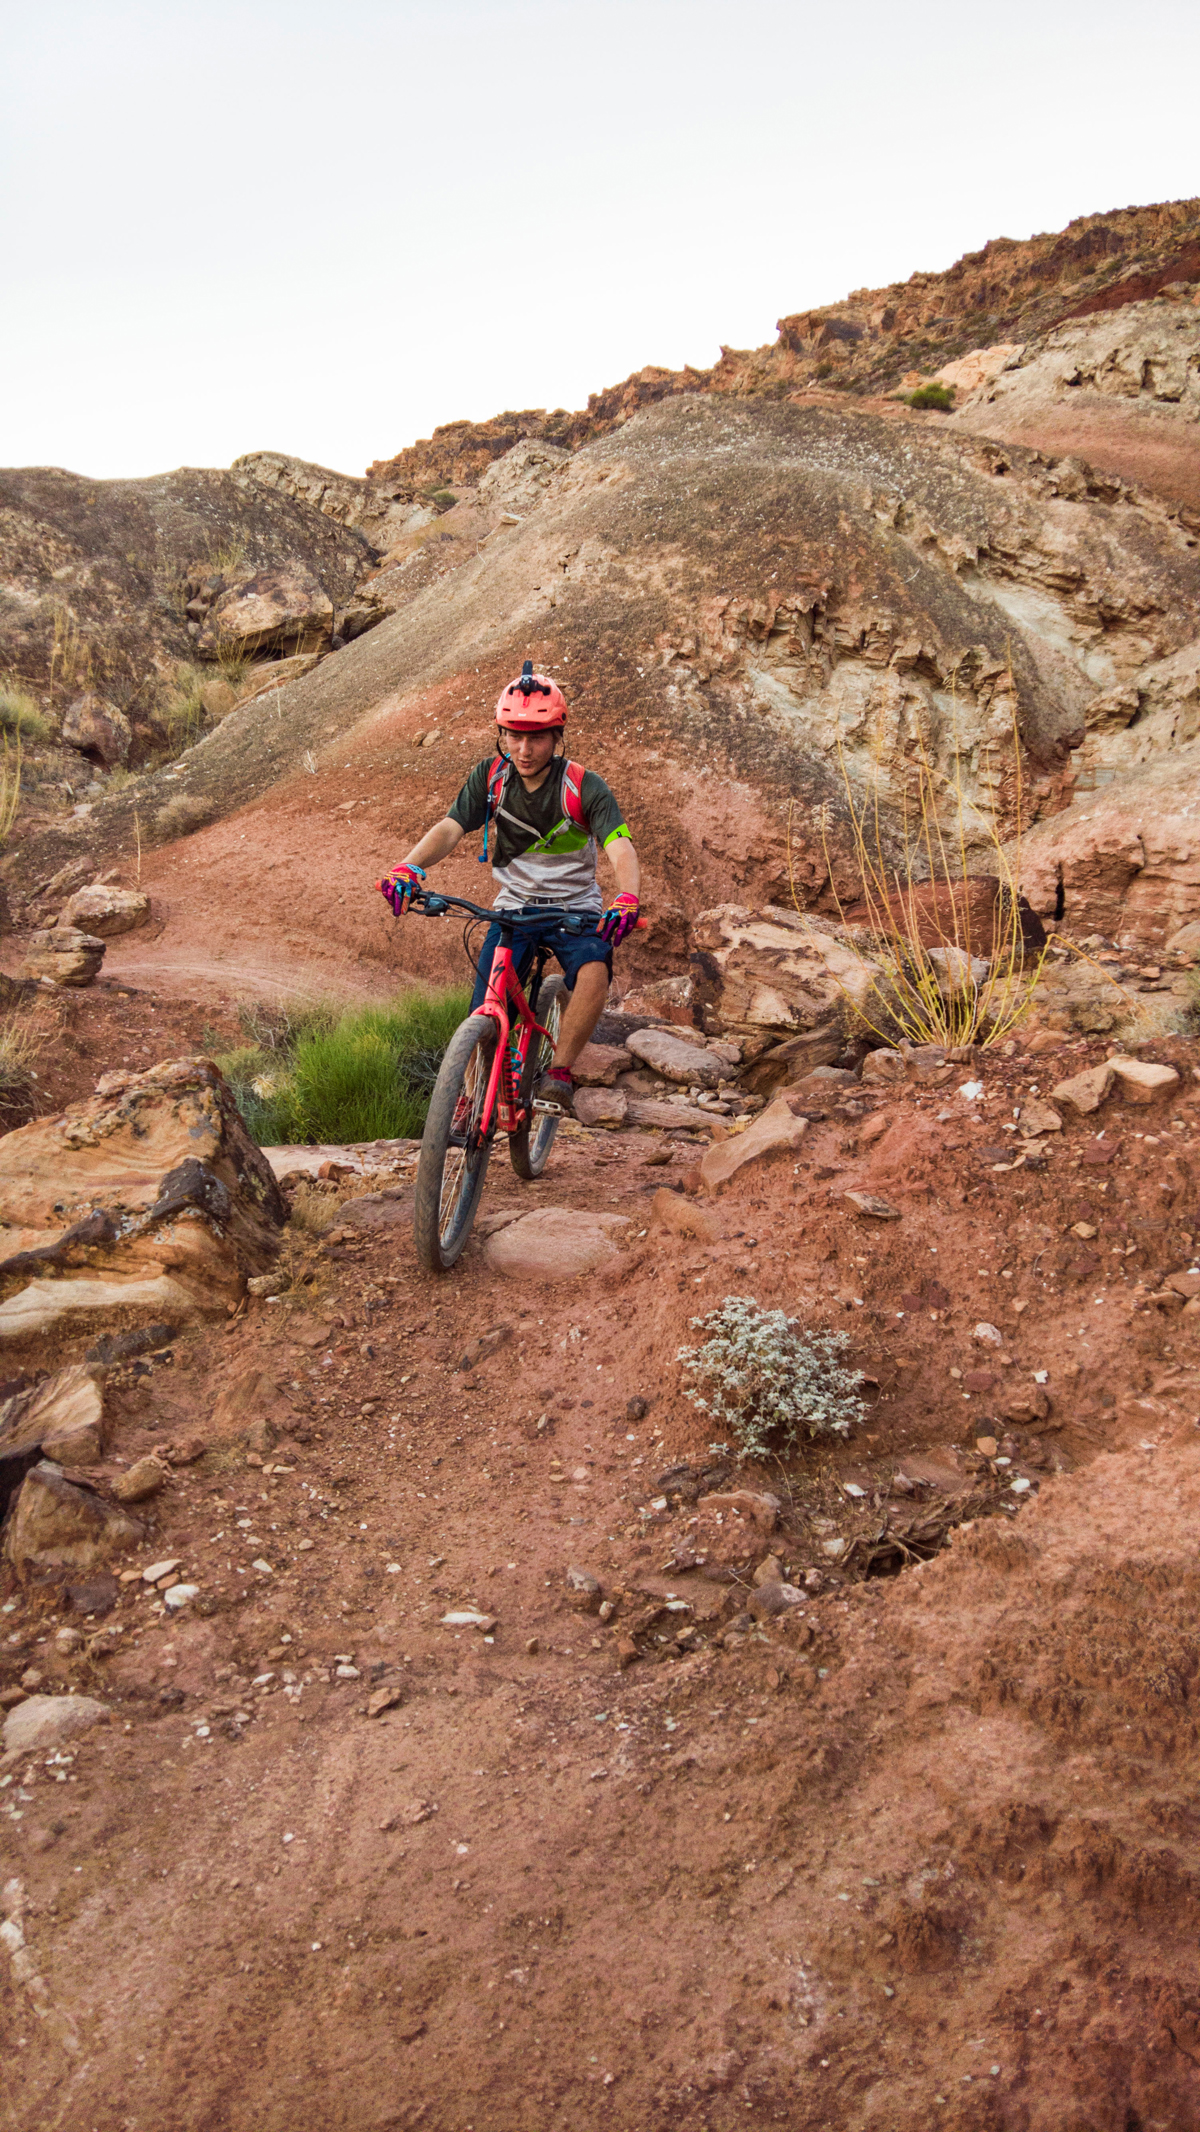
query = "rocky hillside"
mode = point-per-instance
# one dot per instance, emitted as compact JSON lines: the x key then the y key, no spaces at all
{"x":748,"y":604}
{"x":1010,"y":292}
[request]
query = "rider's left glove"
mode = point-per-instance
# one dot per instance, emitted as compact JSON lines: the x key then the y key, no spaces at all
{"x":400,"y":886}
{"x":620,"y":920}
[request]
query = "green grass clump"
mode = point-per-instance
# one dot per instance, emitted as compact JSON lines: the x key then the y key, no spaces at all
{"x":939,"y":397}
{"x":19,"y":715}
{"x":319,"y":1076}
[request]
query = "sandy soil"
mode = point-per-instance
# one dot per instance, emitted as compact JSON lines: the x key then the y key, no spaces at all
{"x":929,"y":1854}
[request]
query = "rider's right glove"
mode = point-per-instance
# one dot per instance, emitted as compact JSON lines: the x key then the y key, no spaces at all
{"x":400,"y":886}
{"x":621,"y":919}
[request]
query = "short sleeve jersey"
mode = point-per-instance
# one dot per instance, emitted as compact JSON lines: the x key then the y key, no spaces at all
{"x":537,"y":852}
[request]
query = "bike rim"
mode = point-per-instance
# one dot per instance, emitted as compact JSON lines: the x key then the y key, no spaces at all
{"x":546,"y":1127}
{"x":461,"y":1164}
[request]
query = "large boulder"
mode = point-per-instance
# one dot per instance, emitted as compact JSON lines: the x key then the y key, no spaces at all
{"x":675,"y":1059}
{"x":148,"y":1202}
{"x":283,"y":610}
{"x":62,"y":955}
{"x":98,"y":730}
{"x":63,"y":1416}
{"x":56,"y":1526}
{"x":104,"y":912}
{"x":773,"y":971}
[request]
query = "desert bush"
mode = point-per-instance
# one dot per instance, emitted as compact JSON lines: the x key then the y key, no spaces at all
{"x":311,"y":1074}
{"x":20,"y":1047}
{"x":768,"y":1384}
{"x":939,"y":397}
{"x":183,"y":815}
{"x":314,"y":1209}
{"x":19,"y":715}
{"x":927,"y":994}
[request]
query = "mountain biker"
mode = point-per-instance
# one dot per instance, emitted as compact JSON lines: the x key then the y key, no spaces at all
{"x":545,"y":822}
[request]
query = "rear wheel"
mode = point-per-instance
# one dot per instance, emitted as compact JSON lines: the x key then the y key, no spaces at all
{"x":530,"y":1145}
{"x":454,"y":1155}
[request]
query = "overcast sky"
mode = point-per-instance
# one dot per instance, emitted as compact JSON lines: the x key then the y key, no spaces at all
{"x":323,"y":229}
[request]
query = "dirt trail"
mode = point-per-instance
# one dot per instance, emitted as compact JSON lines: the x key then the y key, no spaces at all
{"x":930,"y":1852}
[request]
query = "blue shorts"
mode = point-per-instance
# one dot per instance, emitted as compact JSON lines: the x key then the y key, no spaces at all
{"x":570,"y":950}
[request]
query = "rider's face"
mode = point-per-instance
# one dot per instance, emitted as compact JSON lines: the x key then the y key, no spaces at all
{"x":530,"y":752}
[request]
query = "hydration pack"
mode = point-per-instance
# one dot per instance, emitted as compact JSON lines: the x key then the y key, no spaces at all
{"x":571,"y":819}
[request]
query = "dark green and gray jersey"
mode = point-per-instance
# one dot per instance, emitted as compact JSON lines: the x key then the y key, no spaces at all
{"x":536,"y":850}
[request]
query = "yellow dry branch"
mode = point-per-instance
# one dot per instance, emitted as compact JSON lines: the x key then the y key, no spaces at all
{"x":911,"y":998}
{"x":10,"y":787}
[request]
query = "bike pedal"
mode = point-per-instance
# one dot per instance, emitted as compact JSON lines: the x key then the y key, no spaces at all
{"x":551,"y":1110}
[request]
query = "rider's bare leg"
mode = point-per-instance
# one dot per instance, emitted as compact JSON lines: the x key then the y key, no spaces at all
{"x":585,"y":1005}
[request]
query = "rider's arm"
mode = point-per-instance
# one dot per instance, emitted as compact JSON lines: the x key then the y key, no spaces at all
{"x":437,"y":843}
{"x":624,"y":861}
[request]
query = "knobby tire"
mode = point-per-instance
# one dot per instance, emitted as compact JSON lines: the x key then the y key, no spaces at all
{"x":530,"y":1145}
{"x":453,"y":1165}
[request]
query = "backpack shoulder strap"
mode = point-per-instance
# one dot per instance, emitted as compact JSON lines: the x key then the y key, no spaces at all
{"x":572,"y":794}
{"x":495,"y":790}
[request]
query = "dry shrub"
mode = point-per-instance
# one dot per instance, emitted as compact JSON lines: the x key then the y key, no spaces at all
{"x":183,"y":815}
{"x":315,"y":1207}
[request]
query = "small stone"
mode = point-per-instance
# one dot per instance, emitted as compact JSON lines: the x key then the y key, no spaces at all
{"x":178,"y":1596}
{"x":156,"y":1571}
{"x":144,"y":1478}
{"x":869,"y":1204}
{"x":532,"y":1647}
{"x":1038,"y":1118}
{"x":67,"y":1641}
{"x":1085,"y":1229}
{"x":636,"y":1409}
{"x":346,"y":1672}
{"x":44,"y":1720}
{"x":777,"y":1598}
{"x":760,"y":1508}
{"x":1142,"y":1081}
{"x":987,"y":1335}
{"x":986,"y":1446}
{"x":584,"y":1590}
{"x":1085,"y":1092}
{"x":468,"y":1618}
{"x":978,"y":1380}
{"x":384,"y":1699}
{"x":627,"y":1652}
{"x":769,"y":1571}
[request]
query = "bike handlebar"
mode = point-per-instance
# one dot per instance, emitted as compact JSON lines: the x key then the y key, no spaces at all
{"x":431,"y":905}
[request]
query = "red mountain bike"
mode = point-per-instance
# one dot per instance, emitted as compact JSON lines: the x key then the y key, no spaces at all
{"x":490,"y":1069}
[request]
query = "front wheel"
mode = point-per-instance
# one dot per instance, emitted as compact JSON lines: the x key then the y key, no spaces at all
{"x":530,"y":1145}
{"x":454,"y":1151}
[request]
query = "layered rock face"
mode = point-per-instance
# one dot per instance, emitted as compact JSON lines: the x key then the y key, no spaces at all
{"x":150,"y":1203}
{"x":1120,"y":388}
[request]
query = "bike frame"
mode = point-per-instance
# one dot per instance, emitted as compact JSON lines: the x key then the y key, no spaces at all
{"x":505,"y":1077}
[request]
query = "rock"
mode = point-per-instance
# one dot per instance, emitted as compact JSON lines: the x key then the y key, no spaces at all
{"x":664,"y":999}
{"x":488,"y":1343}
{"x":775,"y":1132}
{"x":676,"y":1060}
{"x":956,"y":916}
{"x":1142,"y":1081}
{"x":468,"y":1617}
{"x":1026,"y":1406}
{"x":146,"y":1477}
{"x":1038,"y":1118}
{"x":670,"y":1210}
{"x":769,"y":1571}
{"x":599,"y":1064}
{"x":555,"y":1244}
{"x":63,"y":956}
{"x":384,"y":1699}
{"x":177,"y":1596}
{"x":884,"y":1065}
{"x":760,"y":1508}
{"x":636,"y":1409}
{"x":773,"y":969}
{"x":282,"y":610}
{"x":601,"y":1106}
{"x":663,"y":1117}
{"x":271,"y":674}
{"x":978,"y":1380}
{"x":147,"y":1202}
{"x":987,"y":1335}
{"x":98,"y":730}
{"x":46,"y":1720}
{"x":771,"y":1599}
{"x":67,"y":1642}
{"x":867,"y":1203}
{"x":584,"y":1591}
{"x":1184,"y":945}
{"x":57,"y":1525}
{"x":104,"y":912}
{"x":1186,"y":1283}
{"x":156,"y":1571}
{"x":1086,"y":1091}
{"x":986,"y":1446}
{"x":63,"y":1416}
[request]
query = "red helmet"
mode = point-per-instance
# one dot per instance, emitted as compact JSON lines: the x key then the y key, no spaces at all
{"x":531,"y":705}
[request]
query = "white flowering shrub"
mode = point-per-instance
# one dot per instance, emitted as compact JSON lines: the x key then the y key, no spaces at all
{"x":766,"y":1383}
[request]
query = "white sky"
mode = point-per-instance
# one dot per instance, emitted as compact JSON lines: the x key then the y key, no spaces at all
{"x":323,"y":229}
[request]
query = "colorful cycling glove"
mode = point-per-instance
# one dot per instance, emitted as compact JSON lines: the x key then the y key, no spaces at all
{"x":400,"y":886}
{"x":619,"y":920}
